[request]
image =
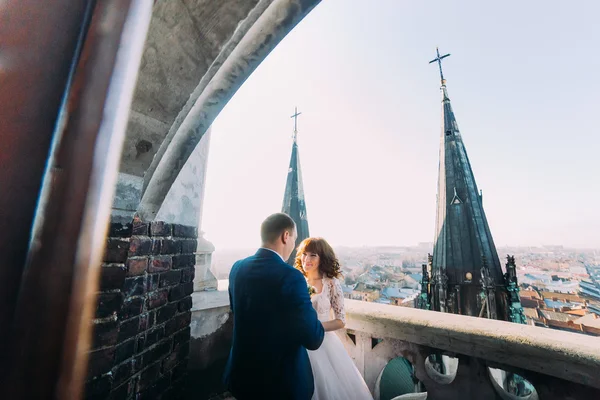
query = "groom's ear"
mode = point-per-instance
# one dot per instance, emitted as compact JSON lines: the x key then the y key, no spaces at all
{"x":285,"y":236}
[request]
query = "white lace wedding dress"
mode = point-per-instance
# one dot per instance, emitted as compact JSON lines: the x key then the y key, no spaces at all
{"x":335,"y":374}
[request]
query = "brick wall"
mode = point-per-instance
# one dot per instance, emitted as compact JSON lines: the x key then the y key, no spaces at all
{"x":141,"y":330}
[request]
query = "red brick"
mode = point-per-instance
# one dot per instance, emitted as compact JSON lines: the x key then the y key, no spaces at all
{"x":123,"y":392}
{"x":157,"y":299}
{"x":140,"y":246}
{"x":108,"y":304}
{"x":124,"y":351}
{"x":179,"y":355}
{"x":117,"y":229}
{"x":140,"y":228}
{"x":178,"y":323}
{"x":159,"y":228}
{"x":100,"y":361}
{"x":122,"y":372}
{"x":156,"y":246}
{"x":188,"y":274}
{"x":180,"y":291}
{"x":170,"y":246}
{"x":160,"y":264}
{"x":112,"y":277}
{"x":105,"y":334}
{"x":137,"y":266}
{"x":116,"y":250}
{"x":152,"y":281}
{"x":154,"y":336}
{"x":129,"y":328}
{"x":146,"y":321}
{"x":170,"y":278}
{"x":131,"y":308}
{"x":135,"y":286}
{"x":184,"y":261}
{"x":182,"y":336}
{"x":150,"y":338}
{"x":185,"y":304}
{"x":188,"y":246}
{"x":156,"y":353}
{"x":165,"y":313}
{"x":185,"y":231}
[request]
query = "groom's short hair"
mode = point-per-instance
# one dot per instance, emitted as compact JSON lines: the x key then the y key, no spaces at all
{"x":274,"y":226}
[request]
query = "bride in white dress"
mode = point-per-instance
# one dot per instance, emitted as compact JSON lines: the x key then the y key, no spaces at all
{"x":334,"y":372}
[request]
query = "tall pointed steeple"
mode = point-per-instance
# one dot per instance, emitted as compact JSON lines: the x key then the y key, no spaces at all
{"x":466,"y":273}
{"x":294,"y":204}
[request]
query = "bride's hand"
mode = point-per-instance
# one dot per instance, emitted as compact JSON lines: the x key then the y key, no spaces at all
{"x":333,"y":325}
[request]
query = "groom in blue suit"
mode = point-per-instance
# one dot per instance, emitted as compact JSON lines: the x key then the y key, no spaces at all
{"x":273,"y":321}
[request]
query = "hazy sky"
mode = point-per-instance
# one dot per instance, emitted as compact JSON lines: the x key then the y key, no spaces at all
{"x":524,"y":80}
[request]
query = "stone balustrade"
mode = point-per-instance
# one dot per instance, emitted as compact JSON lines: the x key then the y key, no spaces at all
{"x":559,"y":365}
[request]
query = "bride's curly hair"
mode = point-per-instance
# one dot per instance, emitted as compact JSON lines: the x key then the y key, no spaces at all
{"x":328,"y":262}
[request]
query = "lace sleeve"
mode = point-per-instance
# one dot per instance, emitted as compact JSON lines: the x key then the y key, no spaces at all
{"x":337,"y":300}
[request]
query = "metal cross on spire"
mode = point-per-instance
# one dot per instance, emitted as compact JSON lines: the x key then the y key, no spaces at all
{"x":295,"y":116}
{"x":439,"y":59}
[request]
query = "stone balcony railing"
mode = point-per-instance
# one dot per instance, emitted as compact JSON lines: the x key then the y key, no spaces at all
{"x":558,"y":365}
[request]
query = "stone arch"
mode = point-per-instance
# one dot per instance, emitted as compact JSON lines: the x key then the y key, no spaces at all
{"x":197,"y":54}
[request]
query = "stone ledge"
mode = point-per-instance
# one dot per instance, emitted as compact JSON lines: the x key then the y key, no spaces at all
{"x":210,"y":299}
{"x":570,"y":356}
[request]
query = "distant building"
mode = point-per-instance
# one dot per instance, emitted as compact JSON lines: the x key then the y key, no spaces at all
{"x":347,"y":290}
{"x":562,"y":311}
{"x":409,"y":282}
{"x":589,"y":321}
{"x":595,"y":308}
{"x":588,"y":324}
{"x":383,"y":300}
{"x":589,"y":289}
{"x":364,"y":292}
{"x":404,"y":297}
{"x":563,"y":297}
{"x":417,"y":277}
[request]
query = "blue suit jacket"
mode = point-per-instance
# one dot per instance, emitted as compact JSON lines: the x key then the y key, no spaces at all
{"x":273,"y":325}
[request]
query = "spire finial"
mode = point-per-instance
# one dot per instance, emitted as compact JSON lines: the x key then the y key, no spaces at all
{"x":439,"y":59}
{"x":295,"y":116}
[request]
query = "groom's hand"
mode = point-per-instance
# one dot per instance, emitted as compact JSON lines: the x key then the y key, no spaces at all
{"x":303,"y":317}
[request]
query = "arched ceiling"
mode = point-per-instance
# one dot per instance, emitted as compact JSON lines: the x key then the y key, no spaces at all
{"x":197,"y":54}
{"x":184,"y":39}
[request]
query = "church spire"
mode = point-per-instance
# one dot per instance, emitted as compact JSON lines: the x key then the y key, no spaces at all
{"x":293,"y":199}
{"x":465,"y":267}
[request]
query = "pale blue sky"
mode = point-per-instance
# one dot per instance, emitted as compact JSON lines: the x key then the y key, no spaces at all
{"x":524,"y":83}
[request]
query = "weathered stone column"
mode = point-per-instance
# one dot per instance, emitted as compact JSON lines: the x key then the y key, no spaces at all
{"x":204,"y":280}
{"x":183,"y":205}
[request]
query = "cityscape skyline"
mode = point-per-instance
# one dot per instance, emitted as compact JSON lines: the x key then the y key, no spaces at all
{"x":380,"y":189}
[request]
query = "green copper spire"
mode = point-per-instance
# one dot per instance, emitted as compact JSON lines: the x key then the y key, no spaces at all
{"x":294,"y":204}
